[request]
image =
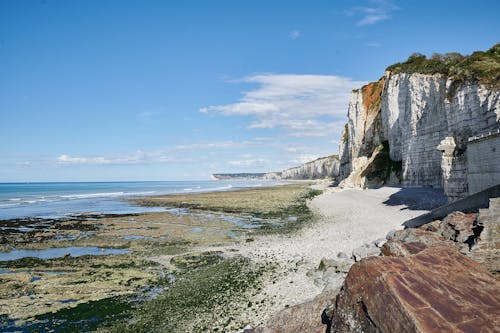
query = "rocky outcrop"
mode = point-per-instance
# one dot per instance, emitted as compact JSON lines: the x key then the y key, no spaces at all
{"x":435,"y":278}
{"x":459,"y":227}
{"x":436,"y":290}
{"x":412,"y":241}
{"x":414,"y":129}
{"x":305,"y":317}
{"x":487,"y":248}
{"x":477,"y":235}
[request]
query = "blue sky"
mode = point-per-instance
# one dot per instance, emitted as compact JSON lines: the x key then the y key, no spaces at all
{"x":164,"y":90}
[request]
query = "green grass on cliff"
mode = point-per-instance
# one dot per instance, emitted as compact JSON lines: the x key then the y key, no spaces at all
{"x":483,"y":66}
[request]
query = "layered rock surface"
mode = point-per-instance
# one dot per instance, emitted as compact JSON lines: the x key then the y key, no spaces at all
{"x":304,"y":317}
{"x":436,"y":290}
{"x":424,"y":121}
{"x":324,"y":167}
{"x":487,"y":249}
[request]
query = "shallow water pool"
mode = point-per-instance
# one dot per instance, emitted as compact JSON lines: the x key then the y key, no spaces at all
{"x":74,"y":251}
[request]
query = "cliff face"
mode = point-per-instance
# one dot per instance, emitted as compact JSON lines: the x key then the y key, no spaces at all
{"x":321,"y":168}
{"x":413,"y":129}
{"x":324,"y":167}
{"x":237,"y":176}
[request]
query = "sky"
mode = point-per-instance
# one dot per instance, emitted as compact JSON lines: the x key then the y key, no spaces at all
{"x":101,"y":90}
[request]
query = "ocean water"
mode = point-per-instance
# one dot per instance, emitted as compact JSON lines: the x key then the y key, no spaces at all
{"x":55,"y":200}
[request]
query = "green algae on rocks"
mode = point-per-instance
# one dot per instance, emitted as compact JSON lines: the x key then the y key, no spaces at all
{"x":206,"y":299}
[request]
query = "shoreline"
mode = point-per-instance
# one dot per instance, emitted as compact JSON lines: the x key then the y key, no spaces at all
{"x":38,"y":289}
{"x":338,"y":213}
{"x":286,"y":254}
{"x":62,"y":199}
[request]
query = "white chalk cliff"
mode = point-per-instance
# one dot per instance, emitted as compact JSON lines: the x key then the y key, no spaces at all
{"x":413,"y":129}
{"x":324,"y":167}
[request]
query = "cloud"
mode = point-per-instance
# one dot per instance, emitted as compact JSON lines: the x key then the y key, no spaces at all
{"x":294,"y":34}
{"x":68,"y":159}
{"x":138,"y":157}
{"x":207,"y":146}
{"x":258,"y":162}
{"x":304,"y":158}
{"x":376,"y":11}
{"x":301,"y":105}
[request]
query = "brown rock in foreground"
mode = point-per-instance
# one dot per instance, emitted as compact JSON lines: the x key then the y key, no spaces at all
{"x":301,"y":318}
{"x":436,"y":290}
{"x":412,"y":241}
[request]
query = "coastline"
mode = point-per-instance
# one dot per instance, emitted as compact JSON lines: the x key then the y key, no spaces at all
{"x":34,"y":287}
{"x":344,"y":220}
{"x":281,"y":232}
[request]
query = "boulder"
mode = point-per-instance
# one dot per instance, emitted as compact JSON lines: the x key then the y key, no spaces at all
{"x":390,"y":234}
{"x":339,"y":266}
{"x":305,"y":317}
{"x":366,"y":250}
{"x":459,"y":227}
{"x":380,"y":242}
{"x":412,"y":241}
{"x":431,"y":226}
{"x":395,"y":248}
{"x":412,"y":235}
{"x":487,"y":248}
{"x":436,"y":290}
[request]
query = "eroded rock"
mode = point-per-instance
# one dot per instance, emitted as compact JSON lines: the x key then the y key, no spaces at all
{"x":305,"y":317}
{"x":395,"y":248}
{"x":436,"y":290}
{"x":412,"y":241}
{"x":380,"y":242}
{"x":458,"y":227}
{"x":431,"y":226}
{"x":487,"y":249}
{"x":338,"y":266}
{"x":366,"y":250}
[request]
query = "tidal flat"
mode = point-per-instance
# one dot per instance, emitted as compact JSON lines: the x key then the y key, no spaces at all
{"x":161,"y":276}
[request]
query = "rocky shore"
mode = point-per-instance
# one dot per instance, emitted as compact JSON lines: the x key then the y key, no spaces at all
{"x":64,"y":267}
{"x":293,"y":258}
{"x":440,"y":277}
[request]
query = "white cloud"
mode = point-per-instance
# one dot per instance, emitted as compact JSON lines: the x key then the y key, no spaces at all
{"x":258,"y":162}
{"x":137,"y":157}
{"x":376,"y":11}
{"x":301,"y":105}
{"x":207,"y":146}
{"x":304,"y":158}
{"x":68,"y":159}
{"x":294,"y":34}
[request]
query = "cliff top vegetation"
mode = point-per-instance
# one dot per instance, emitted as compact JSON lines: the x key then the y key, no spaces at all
{"x":483,"y":66}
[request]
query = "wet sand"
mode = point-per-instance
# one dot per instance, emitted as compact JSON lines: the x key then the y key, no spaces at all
{"x":33,"y":287}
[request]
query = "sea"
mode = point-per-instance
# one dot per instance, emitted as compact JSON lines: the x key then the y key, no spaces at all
{"x":62,"y":199}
